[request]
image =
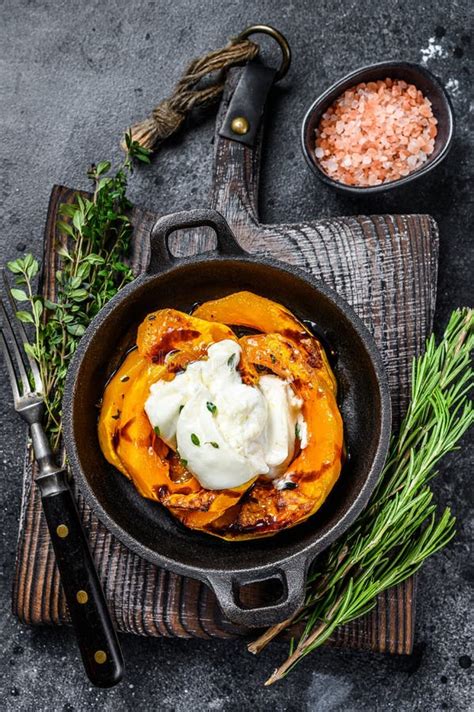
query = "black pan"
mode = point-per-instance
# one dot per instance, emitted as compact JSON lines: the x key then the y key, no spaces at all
{"x":145,"y":526}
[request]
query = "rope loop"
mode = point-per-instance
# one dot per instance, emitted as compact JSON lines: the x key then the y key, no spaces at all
{"x":167,"y":117}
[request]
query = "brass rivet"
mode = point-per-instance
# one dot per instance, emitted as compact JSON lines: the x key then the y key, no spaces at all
{"x":82,"y":596}
{"x":100,"y":657}
{"x":240,"y":125}
{"x":62,"y":531}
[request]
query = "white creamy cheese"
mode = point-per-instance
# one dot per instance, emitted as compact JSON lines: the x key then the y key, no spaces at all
{"x":227,"y":431}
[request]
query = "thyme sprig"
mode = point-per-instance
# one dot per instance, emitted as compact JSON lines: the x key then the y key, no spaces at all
{"x":399,"y":529}
{"x":92,"y":268}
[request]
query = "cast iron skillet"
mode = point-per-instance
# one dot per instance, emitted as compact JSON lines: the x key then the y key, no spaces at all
{"x":145,"y":526}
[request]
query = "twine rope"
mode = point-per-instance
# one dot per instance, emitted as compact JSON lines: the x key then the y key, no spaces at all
{"x":167,"y":117}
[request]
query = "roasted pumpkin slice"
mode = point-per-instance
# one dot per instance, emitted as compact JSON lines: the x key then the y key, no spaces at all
{"x":251,"y":310}
{"x":111,"y":408}
{"x":273,"y":353}
{"x":136,"y":442}
{"x":255,"y":312}
{"x":168,"y":330}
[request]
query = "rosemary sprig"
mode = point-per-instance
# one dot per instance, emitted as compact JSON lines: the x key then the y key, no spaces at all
{"x":399,"y":529}
{"x":92,"y":269}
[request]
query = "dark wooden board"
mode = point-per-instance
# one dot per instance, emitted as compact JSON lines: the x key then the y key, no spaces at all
{"x":385,"y":266}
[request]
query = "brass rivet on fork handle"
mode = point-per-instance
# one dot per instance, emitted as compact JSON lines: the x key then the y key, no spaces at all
{"x":82,"y":597}
{"x":62,"y":531}
{"x":100,"y":656}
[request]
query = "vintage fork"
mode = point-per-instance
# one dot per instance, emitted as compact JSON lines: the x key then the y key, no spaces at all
{"x":96,"y":637}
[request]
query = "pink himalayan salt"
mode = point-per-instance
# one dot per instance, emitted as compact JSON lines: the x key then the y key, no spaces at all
{"x":376,"y":132}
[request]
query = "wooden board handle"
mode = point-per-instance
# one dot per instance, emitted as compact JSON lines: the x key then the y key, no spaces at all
{"x":236,"y":167}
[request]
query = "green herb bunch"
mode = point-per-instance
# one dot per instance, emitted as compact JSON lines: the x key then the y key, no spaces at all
{"x":400,"y":528}
{"x":92,"y":268}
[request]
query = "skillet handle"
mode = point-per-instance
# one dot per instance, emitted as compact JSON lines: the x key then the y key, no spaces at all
{"x":226,"y":588}
{"x":160,"y":255}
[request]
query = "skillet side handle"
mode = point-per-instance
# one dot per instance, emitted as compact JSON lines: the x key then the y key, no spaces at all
{"x":226,"y":589}
{"x":160,"y":254}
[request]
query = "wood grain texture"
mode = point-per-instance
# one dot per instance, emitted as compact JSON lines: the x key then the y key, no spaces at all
{"x":385,"y":266}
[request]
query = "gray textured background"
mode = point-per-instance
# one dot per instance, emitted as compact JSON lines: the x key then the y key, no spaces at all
{"x":73,"y":75}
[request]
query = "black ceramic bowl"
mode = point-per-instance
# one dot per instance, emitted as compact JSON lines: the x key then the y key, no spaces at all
{"x":409,"y":72}
{"x":145,"y":526}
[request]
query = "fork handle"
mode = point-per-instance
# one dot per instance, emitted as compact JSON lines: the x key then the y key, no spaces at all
{"x":96,"y":637}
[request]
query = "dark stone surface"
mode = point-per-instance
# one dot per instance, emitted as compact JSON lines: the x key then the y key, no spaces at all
{"x":75,"y":74}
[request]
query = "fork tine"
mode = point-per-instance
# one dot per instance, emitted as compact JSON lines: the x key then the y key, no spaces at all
{"x":16,"y":350}
{"x":10,"y":367}
{"x":32,"y":363}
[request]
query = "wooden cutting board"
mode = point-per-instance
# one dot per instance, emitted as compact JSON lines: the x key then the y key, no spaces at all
{"x":385,"y":266}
